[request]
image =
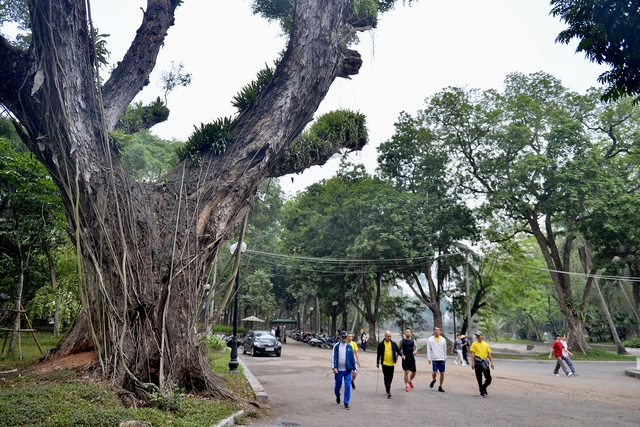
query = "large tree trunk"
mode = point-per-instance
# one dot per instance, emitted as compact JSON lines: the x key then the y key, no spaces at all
{"x":144,"y":248}
{"x":370,"y":307}
{"x":558,"y":263}
{"x":429,"y":298}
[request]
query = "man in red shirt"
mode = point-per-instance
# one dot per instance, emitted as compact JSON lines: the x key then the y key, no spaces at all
{"x":556,"y":350}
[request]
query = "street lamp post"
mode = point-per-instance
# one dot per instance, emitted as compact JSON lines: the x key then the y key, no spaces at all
{"x":233,"y":362}
{"x":311,"y":322}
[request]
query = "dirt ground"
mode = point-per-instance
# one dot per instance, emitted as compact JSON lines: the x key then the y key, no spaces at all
{"x":523,"y":393}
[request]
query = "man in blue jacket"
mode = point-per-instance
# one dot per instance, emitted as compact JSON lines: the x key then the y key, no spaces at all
{"x":343,"y":363}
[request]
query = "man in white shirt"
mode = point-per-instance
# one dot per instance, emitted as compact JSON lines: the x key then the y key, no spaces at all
{"x":566,"y":353}
{"x":437,"y":356}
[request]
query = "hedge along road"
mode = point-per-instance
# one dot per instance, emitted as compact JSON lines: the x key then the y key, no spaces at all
{"x":523,"y":393}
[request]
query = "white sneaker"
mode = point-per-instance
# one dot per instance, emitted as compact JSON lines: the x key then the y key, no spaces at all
{"x":455,"y":363}
{"x":556,"y":375}
{"x":569,"y":374}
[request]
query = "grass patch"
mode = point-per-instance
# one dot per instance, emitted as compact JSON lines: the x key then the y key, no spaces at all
{"x":593,"y":354}
{"x":89,"y":404}
{"x":30,"y":352}
{"x":61,"y":399}
{"x":508,"y":356}
{"x":237,"y":383}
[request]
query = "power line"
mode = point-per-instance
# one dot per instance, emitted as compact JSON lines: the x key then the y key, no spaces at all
{"x":351,"y":266}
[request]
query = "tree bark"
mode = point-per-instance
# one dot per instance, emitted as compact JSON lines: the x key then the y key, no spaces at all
{"x":370,"y":308}
{"x":144,"y":248}
{"x":558,"y":262}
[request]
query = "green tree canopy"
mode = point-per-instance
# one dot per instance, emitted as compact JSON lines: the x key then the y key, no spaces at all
{"x":608,"y":33}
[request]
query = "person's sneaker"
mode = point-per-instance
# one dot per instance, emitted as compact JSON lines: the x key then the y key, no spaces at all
{"x":407,"y":389}
{"x":353,"y":385}
{"x":556,"y":375}
{"x":338,"y":400}
{"x":440,"y":389}
{"x":411,"y":384}
{"x":569,"y":374}
{"x":455,"y":363}
{"x":575,"y":375}
{"x":483,"y":395}
{"x":388,"y":395}
{"x":346,"y":406}
{"x":432,"y":383}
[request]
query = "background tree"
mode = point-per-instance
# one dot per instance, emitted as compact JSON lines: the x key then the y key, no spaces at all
{"x":429,"y":219}
{"x":339,"y":219}
{"x":30,"y":214}
{"x":531,"y":159}
{"x":608,"y":33}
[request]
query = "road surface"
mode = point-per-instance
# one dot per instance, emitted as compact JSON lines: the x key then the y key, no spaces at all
{"x":523,"y":393}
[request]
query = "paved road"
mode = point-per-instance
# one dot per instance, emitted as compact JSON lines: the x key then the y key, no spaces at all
{"x":523,"y":393}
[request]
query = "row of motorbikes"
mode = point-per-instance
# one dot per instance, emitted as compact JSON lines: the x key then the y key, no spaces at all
{"x":314,"y":340}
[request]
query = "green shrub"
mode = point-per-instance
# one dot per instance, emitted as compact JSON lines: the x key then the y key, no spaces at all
{"x":227,"y":330}
{"x":216,"y":343}
{"x":632,"y":343}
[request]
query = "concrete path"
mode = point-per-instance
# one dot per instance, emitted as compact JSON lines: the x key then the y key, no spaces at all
{"x":523,"y":393}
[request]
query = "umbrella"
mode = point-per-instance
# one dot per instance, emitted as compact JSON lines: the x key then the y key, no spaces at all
{"x":252,"y":319}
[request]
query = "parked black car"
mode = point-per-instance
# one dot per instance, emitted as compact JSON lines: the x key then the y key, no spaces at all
{"x":261,"y":342}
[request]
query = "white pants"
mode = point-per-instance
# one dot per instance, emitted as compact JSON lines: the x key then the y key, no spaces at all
{"x":459,"y":358}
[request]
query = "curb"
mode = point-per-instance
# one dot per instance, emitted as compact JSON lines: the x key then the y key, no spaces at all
{"x":261,"y":395}
{"x":632,"y":373}
{"x":229,"y":421}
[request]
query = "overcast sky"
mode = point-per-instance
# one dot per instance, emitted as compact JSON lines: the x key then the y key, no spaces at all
{"x":415,"y":52}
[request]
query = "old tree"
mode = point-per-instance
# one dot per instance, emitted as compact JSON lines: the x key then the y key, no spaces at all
{"x":144,"y":247}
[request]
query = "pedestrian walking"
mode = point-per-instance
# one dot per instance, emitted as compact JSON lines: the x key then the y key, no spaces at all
{"x":355,"y":350}
{"x":408,"y":351}
{"x":566,"y":353}
{"x":465,"y":348}
{"x":481,"y":360}
{"x":556,"y":349}
{"x":363,"y":340}
{"x":343,"y":364}
{"x":457,"y":348}
{"x":387,"y":354}
{"x":437,"y":356}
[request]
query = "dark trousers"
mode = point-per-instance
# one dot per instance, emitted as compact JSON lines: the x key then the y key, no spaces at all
{"x":560,"y":364}
{"x":387,"y":372}
{"x":464,"y":354}
{"x":480,"y":371}
{"x":363,"y":344}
